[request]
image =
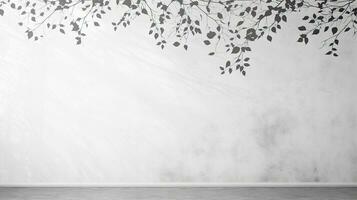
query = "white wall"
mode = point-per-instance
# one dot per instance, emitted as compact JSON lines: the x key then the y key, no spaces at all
{"x":118,"y":109}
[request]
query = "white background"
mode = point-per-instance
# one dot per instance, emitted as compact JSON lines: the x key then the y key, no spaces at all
{"x":117,"y":109}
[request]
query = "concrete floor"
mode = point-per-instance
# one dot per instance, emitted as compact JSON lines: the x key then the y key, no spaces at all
{"x":73,"y":193}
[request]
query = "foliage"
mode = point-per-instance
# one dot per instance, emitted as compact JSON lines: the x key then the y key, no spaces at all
{"x":231,"y":25}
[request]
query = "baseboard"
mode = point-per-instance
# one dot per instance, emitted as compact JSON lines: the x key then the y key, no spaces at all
{"x":177,"y":184}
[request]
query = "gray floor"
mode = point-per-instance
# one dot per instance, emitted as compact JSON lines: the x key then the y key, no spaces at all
{"x":178,"y":193}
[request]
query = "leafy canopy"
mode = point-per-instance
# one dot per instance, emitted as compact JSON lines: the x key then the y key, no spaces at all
{"x":231,"y":25}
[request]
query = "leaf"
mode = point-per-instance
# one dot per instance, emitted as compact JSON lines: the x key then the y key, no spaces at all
{"x":235,"y":50}
{"x":334,"y":30}
{"x":207,"y":42}
{"x":253,"y":13}
{"x":269,"y":38}
{"x":211,"y":34}
{"x":267,"y":13}
{"x":284,"y":18}
{"x":96,"y":24}
{"x":251,"y":34}
{"x":302,"y":28}
{"x":1,"y":12}
{"x":277,"y":18}
{"x":181,"y":12}
{"x":194,"y":3}
{"x":219,"y":15}
{"x":228,"y":63}
{"x":316,"y":31}
{"x":273,"y":29}
{"x":127,"y":3}
{"x":247,"y":49}
{"x":144,"y":11}
{"x":29,"y":34}
{"x":176,"y":44}
{"x":79,"y":41}
{"x":208,"y":9}
{"x":75,"y":27}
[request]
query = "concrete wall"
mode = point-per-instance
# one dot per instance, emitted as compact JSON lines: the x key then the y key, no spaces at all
{"x":118,"y":109}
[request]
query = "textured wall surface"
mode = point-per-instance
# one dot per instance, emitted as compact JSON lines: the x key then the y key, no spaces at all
{"x":118,"y":109}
